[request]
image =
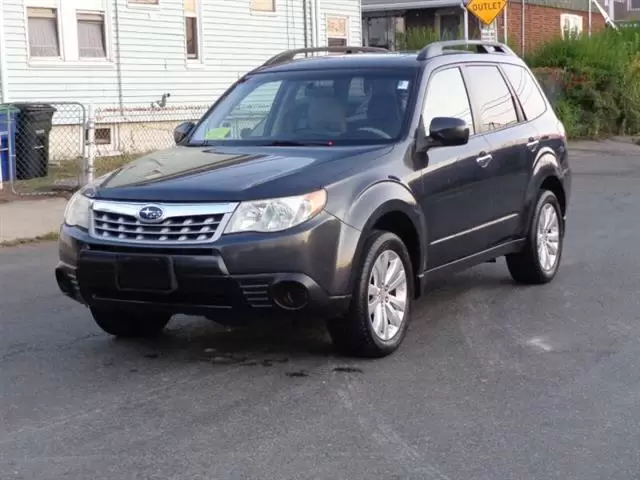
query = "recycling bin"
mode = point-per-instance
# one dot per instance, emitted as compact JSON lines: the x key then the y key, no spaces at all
{"x":7,"y":143}
{"x":33,"y":126}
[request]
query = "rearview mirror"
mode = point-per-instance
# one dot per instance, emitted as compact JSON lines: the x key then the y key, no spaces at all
{"x":181,"y":131}
{"x":448,"y":131}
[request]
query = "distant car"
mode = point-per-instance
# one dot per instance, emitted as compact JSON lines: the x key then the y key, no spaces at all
{"x":286,"y":199}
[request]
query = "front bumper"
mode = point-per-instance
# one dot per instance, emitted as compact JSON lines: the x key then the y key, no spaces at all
{"x":254,"y":275}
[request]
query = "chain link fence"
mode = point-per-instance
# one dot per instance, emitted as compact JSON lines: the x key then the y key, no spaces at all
{"x":43,"y":147}
{"x":51,"y":147}
{"x":48,"y":148}
{"x":117,"y":136}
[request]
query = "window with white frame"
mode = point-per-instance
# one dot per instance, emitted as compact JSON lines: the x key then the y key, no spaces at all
{"x":633,"y":5}
{"x":91,"y":35}
{"x":68,"y":30}
{"x":191,"y":29}
{"x":263,"y":5}
{"x":44,"y":37}
{"x":570,"y":25}
{"x":337,"y":32}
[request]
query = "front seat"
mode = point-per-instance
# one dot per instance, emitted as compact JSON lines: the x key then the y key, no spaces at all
{"x":383,"y":113}
{"x":326,"y":115}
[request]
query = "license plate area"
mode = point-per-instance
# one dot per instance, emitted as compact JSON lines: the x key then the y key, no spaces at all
{"x":145,"y":273}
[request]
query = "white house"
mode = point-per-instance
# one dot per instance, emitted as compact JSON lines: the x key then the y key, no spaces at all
{"x":143,"y":61}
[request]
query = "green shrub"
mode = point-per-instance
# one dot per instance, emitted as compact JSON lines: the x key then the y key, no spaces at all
{"x":415,"y":38}
{"x":599,"y":78}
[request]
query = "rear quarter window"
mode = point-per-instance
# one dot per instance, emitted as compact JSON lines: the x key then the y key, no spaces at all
{"x":527,"y":91}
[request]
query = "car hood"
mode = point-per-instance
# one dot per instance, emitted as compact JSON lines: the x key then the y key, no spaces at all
{"x":194,"y":174}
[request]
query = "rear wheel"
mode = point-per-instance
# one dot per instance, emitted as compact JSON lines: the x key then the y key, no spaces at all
{"x":125,"y":323}
{"x":378,"y":318}
{"x":539,"y":260}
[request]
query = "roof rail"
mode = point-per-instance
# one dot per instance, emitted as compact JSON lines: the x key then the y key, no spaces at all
{"x":437,"y":48}
{"x":289,"y":55}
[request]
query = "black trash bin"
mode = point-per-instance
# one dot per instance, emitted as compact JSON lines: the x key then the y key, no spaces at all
{"x":33,"y":126}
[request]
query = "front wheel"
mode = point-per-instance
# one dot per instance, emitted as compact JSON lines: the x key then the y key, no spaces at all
{"x":381,"y":301}
{"x":127,"y":324}
{"x":539,"y":260}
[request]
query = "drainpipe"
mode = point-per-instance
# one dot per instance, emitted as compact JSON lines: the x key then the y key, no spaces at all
{"x":465,"y":21}
{"x":312,"y":23}
{"x":305,"y":14}
{"x":318,"y":18}
{"x":504,"y":20}
{"x":118,"y":59}
{"x":522,"y":29}
{"x":4,"y":78}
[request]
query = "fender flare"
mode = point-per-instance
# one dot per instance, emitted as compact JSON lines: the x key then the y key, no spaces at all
{"x":375,"y":202}
{"x":546,"y":166}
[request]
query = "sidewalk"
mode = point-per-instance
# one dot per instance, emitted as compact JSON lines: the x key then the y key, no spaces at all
{"x":27,"y":219}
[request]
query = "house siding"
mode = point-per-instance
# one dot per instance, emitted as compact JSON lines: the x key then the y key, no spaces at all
{"x":149,"y":42}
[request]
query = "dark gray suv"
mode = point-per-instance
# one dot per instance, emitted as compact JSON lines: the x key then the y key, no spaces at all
{"x":336,"y":185}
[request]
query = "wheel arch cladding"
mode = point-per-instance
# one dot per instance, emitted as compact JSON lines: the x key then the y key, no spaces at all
{"x":391,"y":207}
{"x":553,"y":184}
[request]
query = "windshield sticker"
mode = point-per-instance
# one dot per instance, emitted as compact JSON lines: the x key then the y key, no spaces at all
{"x":403,"y":85}
{"x":217,"y":133}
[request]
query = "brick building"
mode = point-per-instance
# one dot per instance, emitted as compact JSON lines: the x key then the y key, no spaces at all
{"x":383,"y":20}
{"x":545,"y":19}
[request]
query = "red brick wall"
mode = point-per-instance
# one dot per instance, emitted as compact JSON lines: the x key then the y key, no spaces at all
{"x":541,"y":24}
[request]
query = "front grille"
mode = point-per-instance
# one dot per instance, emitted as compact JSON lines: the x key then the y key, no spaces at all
{"x":181,"y":224}
{"x":200,"y":228}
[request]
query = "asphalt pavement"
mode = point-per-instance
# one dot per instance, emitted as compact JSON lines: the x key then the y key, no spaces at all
{"x":494,"y":381}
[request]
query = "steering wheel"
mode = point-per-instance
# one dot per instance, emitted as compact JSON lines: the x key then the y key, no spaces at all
{"x":375,"y":131}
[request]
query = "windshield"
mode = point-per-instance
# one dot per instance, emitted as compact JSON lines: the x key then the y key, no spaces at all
{"x":331,"y":107}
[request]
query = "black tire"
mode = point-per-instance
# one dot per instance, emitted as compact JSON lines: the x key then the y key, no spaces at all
{"x":127,"y":324}
{"x":353,"y":334}
{"x":525,"y":266}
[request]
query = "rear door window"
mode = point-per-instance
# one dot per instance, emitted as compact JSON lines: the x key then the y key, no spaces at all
{"x":492,"y":98}
{"x":527,"y":91}
{"x":447,"y":97}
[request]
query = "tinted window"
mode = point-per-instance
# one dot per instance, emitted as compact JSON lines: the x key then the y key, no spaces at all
{"x":447,"y":97}
{"x":527,"y":91}
{"x":492,"y":97}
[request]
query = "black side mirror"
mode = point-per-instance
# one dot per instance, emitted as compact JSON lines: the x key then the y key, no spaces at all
{"x":181,"y":131}
{"x":448,"y":131}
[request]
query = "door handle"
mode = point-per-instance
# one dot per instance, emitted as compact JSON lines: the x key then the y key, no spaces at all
{"x":533,"y":143}
{"x":484,"y":159}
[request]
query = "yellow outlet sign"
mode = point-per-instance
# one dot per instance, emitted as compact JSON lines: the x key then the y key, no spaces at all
{"x":486,"y":10}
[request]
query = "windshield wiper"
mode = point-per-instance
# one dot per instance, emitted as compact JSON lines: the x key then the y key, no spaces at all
{"x":293,"y":143}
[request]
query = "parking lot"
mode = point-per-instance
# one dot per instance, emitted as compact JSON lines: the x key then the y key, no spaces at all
{"x":494,"y":381}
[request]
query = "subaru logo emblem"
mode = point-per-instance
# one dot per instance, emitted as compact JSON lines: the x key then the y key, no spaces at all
{"x":151,"y":214}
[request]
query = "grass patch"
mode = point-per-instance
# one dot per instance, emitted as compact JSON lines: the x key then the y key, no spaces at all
{"x":25,"y":241}
{"x":67,"y":175}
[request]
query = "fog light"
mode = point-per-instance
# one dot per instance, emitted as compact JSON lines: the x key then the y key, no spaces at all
{"x":290,"y":295}
{"x":65,"y":284}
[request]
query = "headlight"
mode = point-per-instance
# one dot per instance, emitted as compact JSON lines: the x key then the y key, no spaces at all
{"x":276,"y":214}
{"x":77,"y":212}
